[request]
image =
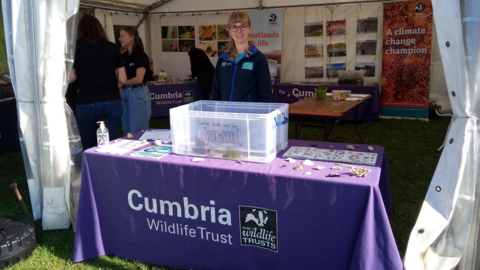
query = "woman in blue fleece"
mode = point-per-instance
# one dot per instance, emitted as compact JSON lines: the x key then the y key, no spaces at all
{"x":242,"y":72}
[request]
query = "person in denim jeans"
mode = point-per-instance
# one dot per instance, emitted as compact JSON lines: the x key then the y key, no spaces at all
{"x":98,"y":69}
{"x":137,"y":105}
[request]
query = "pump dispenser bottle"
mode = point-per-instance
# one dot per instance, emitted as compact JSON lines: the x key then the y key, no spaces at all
{"x":102,"y":135}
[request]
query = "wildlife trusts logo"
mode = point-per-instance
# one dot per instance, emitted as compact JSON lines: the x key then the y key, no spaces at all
{"x":188,"y":96}
{"x":225,"y":63}
{"x":272,"y":19}
{"x":419,"y":7}
{"x":258,"y":227}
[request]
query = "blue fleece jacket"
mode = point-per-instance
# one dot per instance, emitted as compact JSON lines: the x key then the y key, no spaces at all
{"x":247,"y":81}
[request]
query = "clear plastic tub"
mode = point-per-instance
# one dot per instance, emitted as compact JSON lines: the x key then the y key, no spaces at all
{"x":248,"y":131}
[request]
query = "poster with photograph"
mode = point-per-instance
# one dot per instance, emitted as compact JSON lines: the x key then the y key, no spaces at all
{"x":366,"y":47}
{"x":314,"y":29}
{"x":337,"y":49}
{"x":222,"y":47}
{"x":169,"y":45}
{"x":207,"y":32}
{"x":368,"y":25}
{"x":336,"y":28}
{"x":332,"y":69}
{"x":222,"y":32}
{"x":169,"y":32}
{"x":369,"y":68}
{"x":314,"y":50}
{"x":186,"y":32}
{"x":314,"y":72}
{"x":210,"y":48}
{"x":181,"y":44}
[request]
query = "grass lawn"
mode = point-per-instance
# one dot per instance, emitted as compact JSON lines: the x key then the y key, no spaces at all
{"x":411,"y":149}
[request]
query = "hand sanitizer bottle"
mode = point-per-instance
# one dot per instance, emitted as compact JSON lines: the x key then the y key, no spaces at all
{"x":102,"y":135}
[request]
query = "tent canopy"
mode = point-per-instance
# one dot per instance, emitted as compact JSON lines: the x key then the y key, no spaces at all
{"x":162,"y":6}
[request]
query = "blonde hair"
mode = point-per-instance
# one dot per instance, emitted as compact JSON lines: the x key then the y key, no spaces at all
{"x":237,"y":17}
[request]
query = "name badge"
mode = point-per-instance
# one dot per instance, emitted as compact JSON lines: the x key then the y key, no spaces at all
{"x":247,"y":65}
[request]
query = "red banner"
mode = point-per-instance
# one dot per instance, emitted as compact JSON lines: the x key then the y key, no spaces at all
{"x":407,"y":45}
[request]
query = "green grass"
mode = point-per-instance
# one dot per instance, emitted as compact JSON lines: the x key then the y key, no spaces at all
{"x":3,"y":48}
{"x":411,"y":149}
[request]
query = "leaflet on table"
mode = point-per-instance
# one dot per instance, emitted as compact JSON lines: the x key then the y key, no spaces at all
{"x":153,"y":152}
{"x":359,"y":95}
{"x":332,"y":155}
{"x":121,"y":147}
{"x":163,"y":135}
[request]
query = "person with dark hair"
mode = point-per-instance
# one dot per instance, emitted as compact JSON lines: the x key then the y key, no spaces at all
{"x":242,"y":72}
{"x":98,"y":69}
{"x":201,"y":68}
{"x":137,"y":105}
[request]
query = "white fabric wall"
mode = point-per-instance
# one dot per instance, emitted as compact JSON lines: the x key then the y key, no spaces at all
{"x":108,"y":19}
{"x":293,"y":57}
{"x":438,"y":85}
{"x":154,"y":41}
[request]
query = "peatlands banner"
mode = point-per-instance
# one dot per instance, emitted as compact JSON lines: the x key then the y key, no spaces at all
{"x":407,"y":44}
{"x":267,"y":33}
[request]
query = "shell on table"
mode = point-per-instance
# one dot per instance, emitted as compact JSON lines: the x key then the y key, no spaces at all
{"x":197,"y":159}
{"x":319,"y":167}
{"x":307,"y":162}
{"x":298,"y":168}
{"x":291,"y":160}
{"x":307,"y":173}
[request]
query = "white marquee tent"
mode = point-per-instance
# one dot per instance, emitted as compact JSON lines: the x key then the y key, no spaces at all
{"x":40,"y":47}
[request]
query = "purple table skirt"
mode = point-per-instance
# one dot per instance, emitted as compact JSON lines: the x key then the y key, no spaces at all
{"x":167,"y":96}
{"x":318,"y":222}
{"x":367,"y":111}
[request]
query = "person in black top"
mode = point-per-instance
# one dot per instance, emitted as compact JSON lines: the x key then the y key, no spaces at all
{"x":201,"y":68}
{"x":98,"y":69}
{"x":137,"y":105}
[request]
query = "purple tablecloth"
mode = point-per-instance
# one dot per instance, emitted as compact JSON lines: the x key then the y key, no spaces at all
{"x":167,"y":96}
{"x":367,"y":111}
{"x":219,"y":214}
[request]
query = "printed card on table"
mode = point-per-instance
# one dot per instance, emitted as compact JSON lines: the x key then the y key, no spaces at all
{"x":310,"y":153}
{"x":122,"y":147}
{"x":331,"y":155}
{"x":360,"y":158}
{"x":153,"y":152}
{"x":295,"y":152}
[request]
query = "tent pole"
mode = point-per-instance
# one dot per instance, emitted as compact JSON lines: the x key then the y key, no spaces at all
{"x":145,"y":15}
{"x":283,"y":7}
